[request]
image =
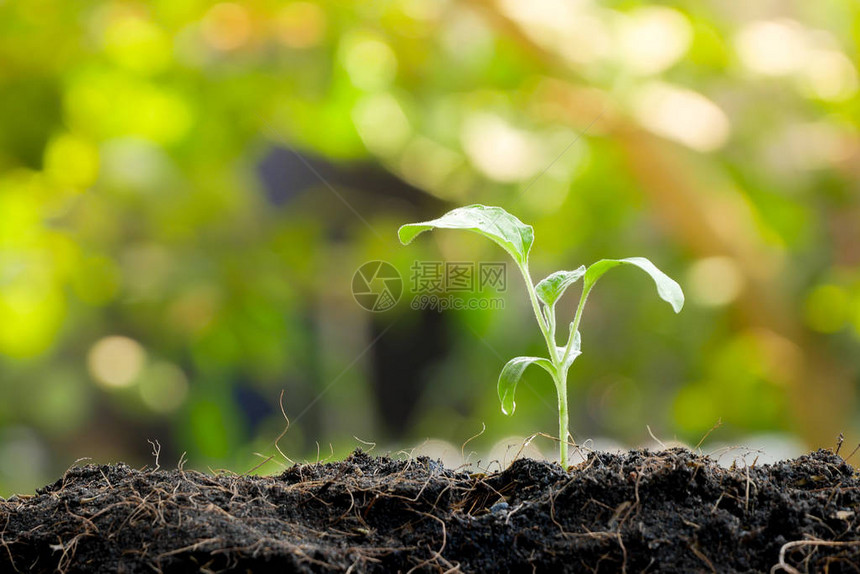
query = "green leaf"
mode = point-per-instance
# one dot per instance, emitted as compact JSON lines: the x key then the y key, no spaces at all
{"x":575,"y":351}
{"x":495,"y":223}
{"x":511,"y":375}
{"x":667,"y":288}
{"x":551,"y":288}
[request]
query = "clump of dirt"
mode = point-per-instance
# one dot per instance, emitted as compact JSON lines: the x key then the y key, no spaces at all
{"x":670,"y":511}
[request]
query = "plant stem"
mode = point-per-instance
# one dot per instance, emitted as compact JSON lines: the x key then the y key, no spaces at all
{"x":547,"y":327}
{"x":561,"y":379}
{"x":574,"y":327}
{"x":561,"y":389}
{"x":582,"y":299}
{"x":548,"y":333}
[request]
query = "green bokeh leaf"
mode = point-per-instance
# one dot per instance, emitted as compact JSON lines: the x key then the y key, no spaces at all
{"x":511,"y":375}
{"x":495,"y":223}
{"x":667,"y":288}
{"x":550,"y":289}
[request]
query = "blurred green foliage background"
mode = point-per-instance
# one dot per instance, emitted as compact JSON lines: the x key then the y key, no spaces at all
{"x":187,"y":187}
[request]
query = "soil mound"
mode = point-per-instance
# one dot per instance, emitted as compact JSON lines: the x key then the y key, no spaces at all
{"x":670,"y":511}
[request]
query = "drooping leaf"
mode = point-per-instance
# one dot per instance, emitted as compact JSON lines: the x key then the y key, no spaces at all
{"x":511,"y":375}
{"x":552,"y":287}
{"x":667,"y":288}
{"x":495,"y":223}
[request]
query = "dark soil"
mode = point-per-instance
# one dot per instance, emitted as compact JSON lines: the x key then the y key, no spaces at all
{"x":672,"y":511}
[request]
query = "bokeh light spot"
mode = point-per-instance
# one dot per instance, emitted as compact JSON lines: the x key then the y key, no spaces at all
{"x":499,"y":150}
{"x":369,"y":62}
{"x":826,"y":308}
{"x":226,"y":26}
{"x":163,"y":387}
{"x":20,"y":211}
{"x":134,"y":163}
{"x":71,"y":161}
{"x":771,"y":48}
{"x":31,"y":313}
{"x":654,"y":38}
{"x":110,"y":104}
{"x":381,"y":123}
{"x":137,"y":45}
{"x":715,"y":281}
{"x":116,"y":361}
{"x":682,"y":115}
{"x":300,"y":25}
{"x":428,"y":164}
{"x":830,"y":75}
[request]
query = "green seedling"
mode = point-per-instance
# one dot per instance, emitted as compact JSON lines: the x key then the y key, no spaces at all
{"x":516,"y":238}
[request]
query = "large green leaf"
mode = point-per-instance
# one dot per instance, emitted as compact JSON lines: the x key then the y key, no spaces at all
{"x":511,"y":375}
{"x":513,"y":235}
{"x":550,"y":289}
{"x":667,"y":288}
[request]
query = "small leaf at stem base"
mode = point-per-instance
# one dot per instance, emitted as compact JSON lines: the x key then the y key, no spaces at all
{"x":551,"y":288}
{"x":511,"y":375}
{"x":575,"y":350}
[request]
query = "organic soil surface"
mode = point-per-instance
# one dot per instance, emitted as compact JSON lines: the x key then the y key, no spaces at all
{"x":670,"y":511}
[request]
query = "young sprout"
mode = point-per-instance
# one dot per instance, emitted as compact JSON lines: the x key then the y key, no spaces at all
{"x":516,"y":238}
